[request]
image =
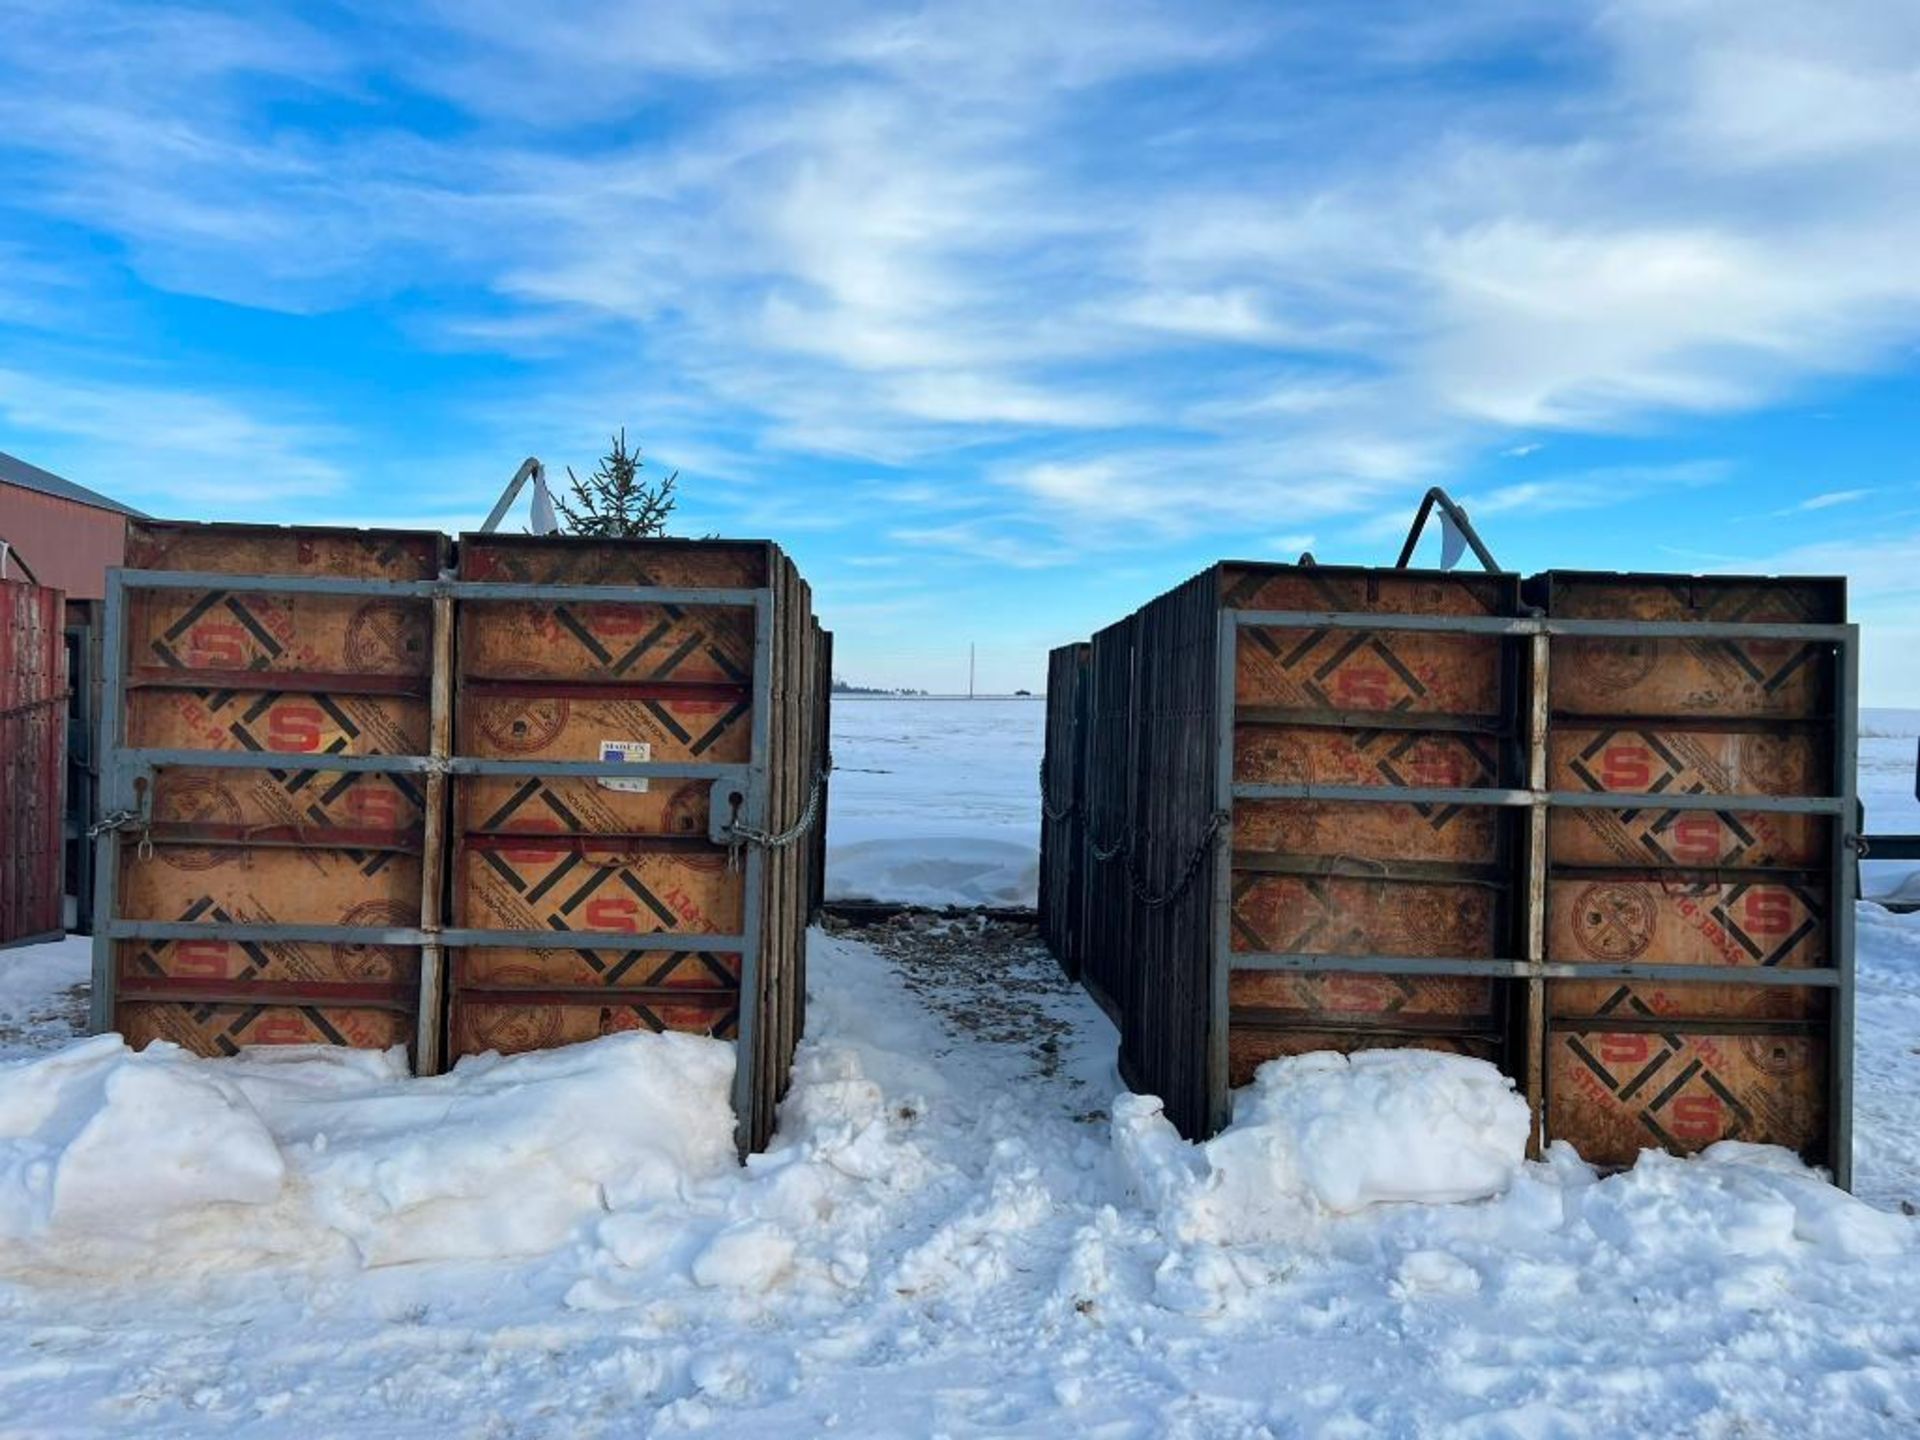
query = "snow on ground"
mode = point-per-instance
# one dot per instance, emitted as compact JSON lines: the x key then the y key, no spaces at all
{"x":958,"y":1232}
{"x":1889,"y":747}
{"x":936,"y":802}
{"x":43,"y":994}
{"x":965,"y":1227}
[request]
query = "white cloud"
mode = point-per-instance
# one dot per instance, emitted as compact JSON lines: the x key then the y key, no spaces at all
{"x":1155,"y":300}
{"x":1825,"y":501}
{"x":1596,"y":488}
{"x":160,"y":447}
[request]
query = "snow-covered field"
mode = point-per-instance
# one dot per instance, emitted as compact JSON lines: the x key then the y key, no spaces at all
{"x":964,"y":1228}
{"x":936,"y":802}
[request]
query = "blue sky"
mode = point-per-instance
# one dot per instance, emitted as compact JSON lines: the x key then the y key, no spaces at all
{"x":1002,"y":316}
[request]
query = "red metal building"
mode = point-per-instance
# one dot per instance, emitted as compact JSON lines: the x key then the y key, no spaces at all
{"x":66,"y":534}
{"x":58,"y":540}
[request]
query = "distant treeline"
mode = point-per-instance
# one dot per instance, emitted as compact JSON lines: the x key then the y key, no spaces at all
{"x":842,"y":687}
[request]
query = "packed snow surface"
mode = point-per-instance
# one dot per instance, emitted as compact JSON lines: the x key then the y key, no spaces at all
{"x":963,"y":1228}
{"x":936,"y":802}
{"x":111,"y":1158}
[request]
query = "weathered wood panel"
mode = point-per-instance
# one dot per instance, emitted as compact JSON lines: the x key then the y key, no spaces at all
{"x":1109,"y":805}
{"x":304,"y":676}
{"x":223,"y":1029}
{"x":1616,"y":1093}
{"x":588,"y":681}
{"x":1633,"y":1063}
{"x":1646,"y":757}
{"x":1063,"y":843}
{"x":1386,"y":710}
{"x":1687,"y":920}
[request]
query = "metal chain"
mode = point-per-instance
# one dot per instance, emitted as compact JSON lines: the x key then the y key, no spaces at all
{"x":1104,"y":854}
{"x":739,"y":835}
{"x":119,"y":820}
{"x":126,"y":820}
{"x":1216,"y":825}
{"x":1046,"y":806}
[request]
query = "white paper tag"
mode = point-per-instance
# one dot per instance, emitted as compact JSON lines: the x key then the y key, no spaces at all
{"x":625,"y":751}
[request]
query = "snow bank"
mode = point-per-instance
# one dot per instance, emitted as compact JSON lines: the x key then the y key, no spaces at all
{"x":95,"y":1141}
{"x":936,"y":802}
{"x":1328,"y":1134}
{"x":110,"y":1156}
{"x":934,"y":870}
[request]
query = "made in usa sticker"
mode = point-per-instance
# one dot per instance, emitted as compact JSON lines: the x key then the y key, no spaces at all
{"x":627,"y":752}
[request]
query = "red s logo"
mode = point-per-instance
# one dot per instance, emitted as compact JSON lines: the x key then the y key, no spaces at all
{"x":1695,"y":1117}
{"x":1768,"y":912}
{"x":296,"y":728}
{"x":1697,"y":837}
{"x":1362,"y":688}
{"x":216,"y":645}
{"x":611,"y":912}
{"x":1626,"y":767}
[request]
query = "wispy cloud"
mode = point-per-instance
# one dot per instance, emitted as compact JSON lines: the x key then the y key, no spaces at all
{"x":1825,"y":501}
{"x":1127,"y":274}
{"x":169,"y":449}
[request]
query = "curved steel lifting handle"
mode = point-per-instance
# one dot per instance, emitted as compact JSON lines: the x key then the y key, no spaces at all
{"x":528,"y":469}
{"x":1437,"y":496}
{"x":8,"y":553}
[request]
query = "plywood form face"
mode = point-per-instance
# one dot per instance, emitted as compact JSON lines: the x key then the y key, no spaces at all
{"x":322,"y":807}
{"x":1633,"y":759}
{"x":631,"y":644}
{"x":701,"y":564}
{"x":282,"y":722}
{"x":1368,"y":591}
{"x":270,"y":885}
{"x":1348,"y":998}
{"x":490,"y":1021}
{"x":1732,"y":600}
{"x":558,"y":727}
{"x":317,"y":676}
{"x":1386,"y":834}
{"x":232,"y":966}
{"x":216,"y":1030}
{"x":1292,"y":914}
{"x":1290,"y":754}
{"x":1721,"y":678}
{"x":214,"y":995}
{"x":269,"y":550}
{"x":1357,"y":672}
{"x":574,"y":968}
{"x":1645,"y":1062}
{"x":569,"y":682}
{"x":525,"y":883}
{"x":182,"y":634}
{"x":1650,"y":1002}
{"x":1614,"y":1093}
{"x":1298,"y":755}
{"x":1686,"y":920}
{"x":1726,"y":679}
{"x":538,"y":805}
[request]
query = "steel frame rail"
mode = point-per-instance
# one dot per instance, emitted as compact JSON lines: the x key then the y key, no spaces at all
{"x":127,"y":774}
{"x":1539,"y":801}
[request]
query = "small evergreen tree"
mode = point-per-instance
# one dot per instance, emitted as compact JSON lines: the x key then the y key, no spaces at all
{"x":614,"y":500}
